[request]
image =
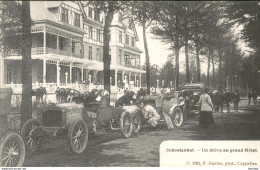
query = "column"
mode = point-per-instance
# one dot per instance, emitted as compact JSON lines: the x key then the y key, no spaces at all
{"x":87,"y":71}
{"x":123,"y":75}
{"x":71,"y":71}
{"x":140,"y":79}
{"x":129,"y":78}
{"x":44,"y":71}
{"x":57,"y":42}
{"x":135,"y":85}
{"x":95,"y":76}
{"x":58,"y":73}
{"x":116,"y":78}
{"x":44,"y":40}
{"x":1,"y":72}
{"x":82,"y":72}
{"x":89,"y":79}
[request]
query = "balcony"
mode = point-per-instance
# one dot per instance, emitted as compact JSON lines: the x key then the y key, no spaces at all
{"x":40,"y":50}
{"x":132,"y":66}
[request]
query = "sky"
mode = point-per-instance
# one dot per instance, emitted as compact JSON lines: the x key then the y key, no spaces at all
{"x":159,"y":51}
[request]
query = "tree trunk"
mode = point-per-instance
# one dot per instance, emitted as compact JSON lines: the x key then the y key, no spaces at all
{"x":107,"y":57}
{"x":213,"y":70}
{"x":220,"y":72}
{"x":147,"y":59}
{"x":197,"y":51}
{"x":208,"y":69}
{"x":177,"y":50}
{"x":186,"y":39}
{"x":26,"y":105}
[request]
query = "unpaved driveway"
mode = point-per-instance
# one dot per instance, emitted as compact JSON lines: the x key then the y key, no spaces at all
{"x":111,"y":149}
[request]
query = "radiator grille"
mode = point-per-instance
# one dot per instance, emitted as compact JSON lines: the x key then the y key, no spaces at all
{"x":52,"y":118}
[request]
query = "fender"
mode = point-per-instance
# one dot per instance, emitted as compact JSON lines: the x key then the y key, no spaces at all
{"x":175,"y":106}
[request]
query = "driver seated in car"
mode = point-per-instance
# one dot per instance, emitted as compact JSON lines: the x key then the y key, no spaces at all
{"x":150,"y":115}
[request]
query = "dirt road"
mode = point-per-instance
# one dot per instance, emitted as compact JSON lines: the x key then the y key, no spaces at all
{"x":111,"y":149}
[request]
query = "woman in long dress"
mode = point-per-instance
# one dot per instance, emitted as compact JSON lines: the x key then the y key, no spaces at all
{"x":206,"y":107}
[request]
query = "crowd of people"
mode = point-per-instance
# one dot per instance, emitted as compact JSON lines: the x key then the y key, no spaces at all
{"x":214,"y":101}
{"x":209,"y":101}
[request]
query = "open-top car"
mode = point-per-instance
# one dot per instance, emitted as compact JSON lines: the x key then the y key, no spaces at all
{"x":76,"y":121}
{"x":12,"y":149}
{"x":191,"y":94}
{"x":161,"y":102}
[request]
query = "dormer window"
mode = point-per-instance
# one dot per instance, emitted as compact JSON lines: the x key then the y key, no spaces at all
{"x":90,"y":10}
{"x":120,"y":36}
{"x":131,"y":25}
{"x":97,"y":15}
{"x":133,"y":41}
{"x":127,"y":39}
{"x":77,"y":20}
{"x":64,"y":15}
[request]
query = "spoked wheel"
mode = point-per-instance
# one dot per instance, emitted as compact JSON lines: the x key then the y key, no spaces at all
{"x":31,"y":134}
{"x":78,"y":136}
{"x":177,"y":117}
{"x":12,"y":150}
{"x":126,"y":126}
{"x":136,"y":121}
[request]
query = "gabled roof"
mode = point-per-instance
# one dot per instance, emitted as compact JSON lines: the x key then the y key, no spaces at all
{"x":126,"y":23}
{"x":40,"y":11}
{"x":53,"y":4}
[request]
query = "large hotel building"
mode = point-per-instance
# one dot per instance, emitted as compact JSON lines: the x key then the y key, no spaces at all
{"x":67,"y":49}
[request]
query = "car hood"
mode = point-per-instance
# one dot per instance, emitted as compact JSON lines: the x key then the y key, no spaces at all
{"x":64,"y":106}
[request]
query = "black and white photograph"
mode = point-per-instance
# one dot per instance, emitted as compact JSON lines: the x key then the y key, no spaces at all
{"x":105,"y":83}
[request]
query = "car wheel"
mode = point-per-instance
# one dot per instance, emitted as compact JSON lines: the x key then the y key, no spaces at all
{"x":78,"y":136}
{"x":12,"y":150}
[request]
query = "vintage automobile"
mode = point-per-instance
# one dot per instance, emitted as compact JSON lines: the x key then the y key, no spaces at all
{"x":76,"y":121}
{"x":165,"y":102}
{"x":12,"y":148}
{"x":191,"y":94}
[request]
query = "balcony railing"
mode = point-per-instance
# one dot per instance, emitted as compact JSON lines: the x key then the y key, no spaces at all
{"x":40,"y":50}
{"x":131,"y":66}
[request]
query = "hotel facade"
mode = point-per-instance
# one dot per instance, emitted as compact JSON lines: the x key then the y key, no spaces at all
{"x":67,"y":49}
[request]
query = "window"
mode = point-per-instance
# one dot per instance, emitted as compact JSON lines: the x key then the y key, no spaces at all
{"x":133,"y":41}
{"x":127,"y":39}
{"x":90,"y":12}
{"x":127,"y":60}
{"x":90,"y":53}
{"x":73,"y":46}
{"x":98,"y":35}
{"x":77,"y":20}
{"x":90,"y":32}
{"x":120,"y":56}
{"x":97,"y":15}
{"x":120,"y":36}
{"x":98,"y":55}
{"x":64,"y":15}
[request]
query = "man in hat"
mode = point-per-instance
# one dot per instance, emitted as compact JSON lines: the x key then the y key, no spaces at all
{"x":236,"y":99}
{"x":150,"y":114}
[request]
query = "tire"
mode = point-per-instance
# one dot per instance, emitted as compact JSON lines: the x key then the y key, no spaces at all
{"x":126,"y":126}
{"x":177,"y":117}
{"x":32,"y":139}
{"x":136,"y":121}
{"x":78,"y":136}
{"x":12,"y":150}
